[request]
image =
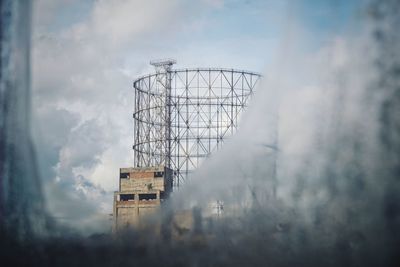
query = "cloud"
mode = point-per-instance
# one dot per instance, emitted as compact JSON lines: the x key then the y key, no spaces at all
{"x":82,"y":91}
{"x":85,"y":57}
{"x":305,"y":94}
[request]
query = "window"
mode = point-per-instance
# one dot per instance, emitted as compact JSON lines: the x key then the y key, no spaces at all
{"x":163,"y":195}
{"x":147,"y":196}
{"x":127,"y":197}
{"x":158,"y":174}
{"x":124,"y":175}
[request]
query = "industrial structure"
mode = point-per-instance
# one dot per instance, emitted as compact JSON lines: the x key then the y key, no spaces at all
{"x":141,"y":192}
{"x":180,"y":118}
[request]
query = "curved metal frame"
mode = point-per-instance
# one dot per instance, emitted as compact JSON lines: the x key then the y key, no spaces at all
{"x":181,"y":116}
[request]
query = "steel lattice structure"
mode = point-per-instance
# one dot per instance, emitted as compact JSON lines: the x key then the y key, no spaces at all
{"x":182,"y":116}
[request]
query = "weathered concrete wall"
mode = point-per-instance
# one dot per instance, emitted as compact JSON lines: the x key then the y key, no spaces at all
{"x":134,"y":213}
{"x":130,"y":209}
{"x":142,"y":184}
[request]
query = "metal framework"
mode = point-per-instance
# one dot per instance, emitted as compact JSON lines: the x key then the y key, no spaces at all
{"x":182,"y":116}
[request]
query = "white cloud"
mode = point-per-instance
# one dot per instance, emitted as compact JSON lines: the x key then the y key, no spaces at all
{"x":82,"y":94}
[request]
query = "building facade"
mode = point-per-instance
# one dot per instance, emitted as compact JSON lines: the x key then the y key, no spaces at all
{"x":141,"y":192}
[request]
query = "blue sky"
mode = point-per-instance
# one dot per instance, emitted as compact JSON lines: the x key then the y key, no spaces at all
{"x":246,"y":34}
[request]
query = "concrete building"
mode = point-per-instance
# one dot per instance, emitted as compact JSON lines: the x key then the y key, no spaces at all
{"x":141,"y":192}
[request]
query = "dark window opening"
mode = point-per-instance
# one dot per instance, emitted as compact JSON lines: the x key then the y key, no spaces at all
{"x":124,"y":175}
{"x":163,"y":195}
{"x":158,"y":174}
{"x":127,"y":197}
{"x":147,"y":196}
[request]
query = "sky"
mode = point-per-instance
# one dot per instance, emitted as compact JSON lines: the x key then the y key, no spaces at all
{"x":86,"y":54}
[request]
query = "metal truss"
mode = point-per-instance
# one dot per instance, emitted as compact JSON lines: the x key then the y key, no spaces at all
{"x":182,"y":116}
